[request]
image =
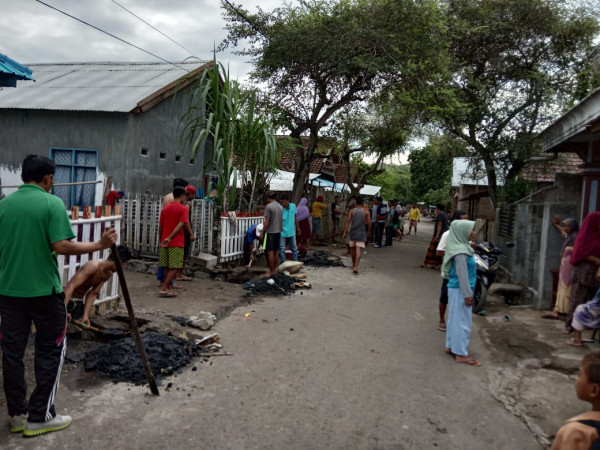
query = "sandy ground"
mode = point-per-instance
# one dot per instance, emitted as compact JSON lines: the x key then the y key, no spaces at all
{"x":355,"y":362}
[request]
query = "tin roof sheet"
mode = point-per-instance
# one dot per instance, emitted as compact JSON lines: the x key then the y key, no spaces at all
{"x":108,"y":86}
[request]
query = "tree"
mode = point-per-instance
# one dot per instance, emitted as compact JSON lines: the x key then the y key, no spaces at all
{"x":394,"y":182}
{"x":513,"y":66}
{"x":223,"y":116}
{"x":320,"y":56}
{"x":431,"y":166}
{"x":379,"y":130}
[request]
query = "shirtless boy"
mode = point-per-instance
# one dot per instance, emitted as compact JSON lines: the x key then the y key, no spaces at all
{"x":89,"y":279}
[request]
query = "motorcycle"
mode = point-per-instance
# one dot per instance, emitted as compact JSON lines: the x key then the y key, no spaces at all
{"x":487,"y":259}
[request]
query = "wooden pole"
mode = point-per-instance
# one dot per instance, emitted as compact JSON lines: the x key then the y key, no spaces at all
{"x":132,"y":322}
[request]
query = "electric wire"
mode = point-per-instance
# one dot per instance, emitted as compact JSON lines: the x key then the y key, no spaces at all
{"x":111,"y":35}
{"x":154,"y":28}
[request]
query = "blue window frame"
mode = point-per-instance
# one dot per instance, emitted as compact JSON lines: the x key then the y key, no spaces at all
{"x":75,"y":165}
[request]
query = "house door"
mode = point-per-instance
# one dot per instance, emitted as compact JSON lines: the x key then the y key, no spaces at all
{"x":73,"y":166}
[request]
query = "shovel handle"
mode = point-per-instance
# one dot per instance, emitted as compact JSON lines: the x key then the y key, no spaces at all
{"x":132,"y":322}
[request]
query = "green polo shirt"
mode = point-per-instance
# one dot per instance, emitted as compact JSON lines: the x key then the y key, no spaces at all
{"x":31,"y":220}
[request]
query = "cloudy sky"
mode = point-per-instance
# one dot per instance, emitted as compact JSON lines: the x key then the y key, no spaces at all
{"x":33,"y":33}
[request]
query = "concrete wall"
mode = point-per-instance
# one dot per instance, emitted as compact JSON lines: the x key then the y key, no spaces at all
{"x":118,"y":137}
{"x":537,"y":248}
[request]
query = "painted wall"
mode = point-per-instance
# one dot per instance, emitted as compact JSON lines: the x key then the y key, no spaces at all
{"x":118,"y":137}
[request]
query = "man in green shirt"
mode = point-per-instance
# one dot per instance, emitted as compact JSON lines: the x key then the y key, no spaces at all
{"x":34,"y":227}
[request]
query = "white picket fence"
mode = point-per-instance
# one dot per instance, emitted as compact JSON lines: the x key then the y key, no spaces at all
{"x":233,"y":235}
{"x":141,"y":215}
{"x":90,"y":230}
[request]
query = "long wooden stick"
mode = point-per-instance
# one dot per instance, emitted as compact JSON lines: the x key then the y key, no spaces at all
{"x":132,"y":322}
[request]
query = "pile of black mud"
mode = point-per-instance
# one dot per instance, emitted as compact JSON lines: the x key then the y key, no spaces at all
{"x":281,"y":285}
{"x":120,"y":360}
{"x":322,"y":259}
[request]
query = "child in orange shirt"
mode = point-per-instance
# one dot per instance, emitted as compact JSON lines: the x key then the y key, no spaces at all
{"x":583,"y":431}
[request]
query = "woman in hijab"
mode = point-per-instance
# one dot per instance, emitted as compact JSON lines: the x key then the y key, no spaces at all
{"x":585,"y":259}
{"x":459,"y":264}
{"x":586,"y":316}
{"x":568,"y":228}
{"x":302,"y":215}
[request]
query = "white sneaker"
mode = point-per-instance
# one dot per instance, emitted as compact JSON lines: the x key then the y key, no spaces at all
{"x":17,"y":423}
{"x":57,"y":423}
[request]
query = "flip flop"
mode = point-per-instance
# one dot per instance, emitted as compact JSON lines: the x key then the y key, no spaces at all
{"x":184,"y":279}
{"x":469,"y":362}
{"x":422,"y":266}
{"x":549,"y":316}
{"x":442,"y":328}
{"x":572,"y":343}
{"x":588,"y":341}
{"x":177,"y":286}
{"x":167,"y":294}
{"x":355,"y":272}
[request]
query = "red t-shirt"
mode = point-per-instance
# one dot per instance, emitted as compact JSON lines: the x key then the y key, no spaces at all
{"x":170,"y":216}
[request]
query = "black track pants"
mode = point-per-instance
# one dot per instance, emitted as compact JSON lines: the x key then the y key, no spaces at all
{"x":48,"y":314}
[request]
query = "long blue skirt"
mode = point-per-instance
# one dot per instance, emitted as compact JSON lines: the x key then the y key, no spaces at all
{"x":460,"y":321}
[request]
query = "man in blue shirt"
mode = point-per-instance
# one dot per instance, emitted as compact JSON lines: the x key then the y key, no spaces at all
{"x":290,"y":229}
{"x":251,"y":235}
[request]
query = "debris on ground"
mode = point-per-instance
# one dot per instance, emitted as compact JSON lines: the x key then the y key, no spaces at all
{"x":204,"y":320}
{"x":120,"y":360}
{"x":237,"y":275}
{"x":278,"y":284}
{"x":291,"y":267}
{"x":322,"y":259}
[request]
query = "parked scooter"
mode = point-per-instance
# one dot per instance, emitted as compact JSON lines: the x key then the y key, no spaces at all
{"x":487,"y":259}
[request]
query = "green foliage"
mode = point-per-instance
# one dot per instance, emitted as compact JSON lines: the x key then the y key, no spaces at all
{"x":431,"y":166}
{"x":223,"y":116}
{"x":513,"y":66}
{"x":394,"y":181}
{"x":320,"y":56}
{"x":436,"y":196}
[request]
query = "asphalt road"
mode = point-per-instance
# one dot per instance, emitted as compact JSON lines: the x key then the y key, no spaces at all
{"x":354,"y":363}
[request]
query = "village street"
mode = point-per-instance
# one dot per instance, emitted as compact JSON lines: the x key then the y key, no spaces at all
{"x":355,"y":362}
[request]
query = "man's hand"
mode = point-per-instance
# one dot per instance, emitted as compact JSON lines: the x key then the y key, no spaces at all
{"x":108,"y":238}
{"x":556,"y":220}
{"x":192,"y":238}
{"x":85,"y":321}
{"x":165,"y":243}
{"x":469,"y":301}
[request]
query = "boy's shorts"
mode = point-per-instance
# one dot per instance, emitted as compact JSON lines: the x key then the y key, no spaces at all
{"x":273,"y":242}
{"x":171,"y":257}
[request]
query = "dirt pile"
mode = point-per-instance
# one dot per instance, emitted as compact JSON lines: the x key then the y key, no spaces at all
{"x":120,"y":360}
{"x":322,"y":259}
{"x":278,"y":284}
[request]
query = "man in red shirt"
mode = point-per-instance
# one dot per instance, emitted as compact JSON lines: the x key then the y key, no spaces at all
{"x":173,"y":217}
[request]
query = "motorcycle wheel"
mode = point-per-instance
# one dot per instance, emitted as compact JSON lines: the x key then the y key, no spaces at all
{"x":479,"y":297}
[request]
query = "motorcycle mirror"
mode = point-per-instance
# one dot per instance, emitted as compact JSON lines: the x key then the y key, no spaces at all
{"x":510,"y":244}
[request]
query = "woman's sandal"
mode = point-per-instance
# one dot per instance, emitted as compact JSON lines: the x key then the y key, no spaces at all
{"x":469,"y":362}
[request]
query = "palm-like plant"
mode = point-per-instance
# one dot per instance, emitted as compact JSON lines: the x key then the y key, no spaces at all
{"x":223,"y":116}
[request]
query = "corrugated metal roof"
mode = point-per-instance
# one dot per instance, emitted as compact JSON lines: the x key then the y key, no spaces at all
{"x":108,"y":86}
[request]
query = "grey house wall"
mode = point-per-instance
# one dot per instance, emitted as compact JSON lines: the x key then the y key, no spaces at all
{"x":537,"y":242}
{"x":118,"y":137}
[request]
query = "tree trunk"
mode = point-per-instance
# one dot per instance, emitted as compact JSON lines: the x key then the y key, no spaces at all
{"x":492,"y":181}
{"x":302,"y":169}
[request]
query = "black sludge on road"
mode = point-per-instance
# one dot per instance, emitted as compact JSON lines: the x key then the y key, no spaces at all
{"x":120,"y":360}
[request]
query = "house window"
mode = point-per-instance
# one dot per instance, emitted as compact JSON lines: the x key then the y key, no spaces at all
{"x":74,"y":165}
{"x":162,"y":155}
{"x":144,"y":151}
{"x":177,"y":158}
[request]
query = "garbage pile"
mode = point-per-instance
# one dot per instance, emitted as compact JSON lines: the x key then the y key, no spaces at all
{"x":120,"y":360}
{"x":322,"y":259}
{"x":276,"y":285}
